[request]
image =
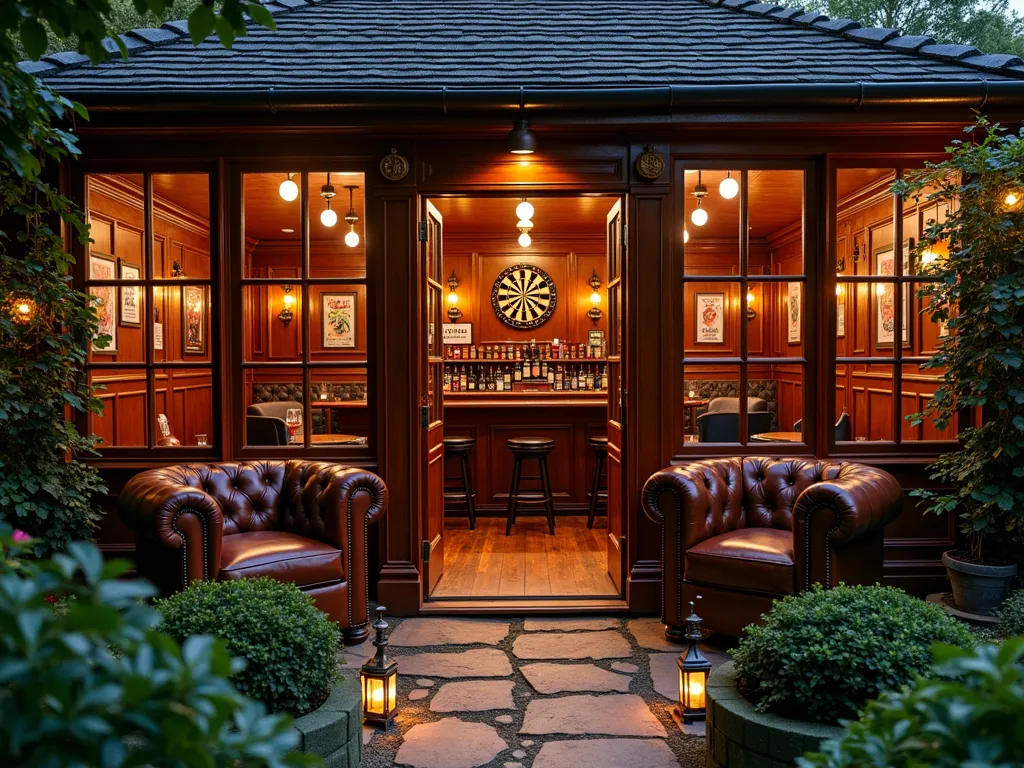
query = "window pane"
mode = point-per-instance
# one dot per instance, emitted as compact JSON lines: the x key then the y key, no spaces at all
{"x":122,"y":332}
{"x":123,"y":394}
{"x":775,"y":222}
{"x":272,"y":225}
{"x":711,"y":222}
{"x":783,"y":396}
{"x":273,"y":407}
{"x":918,"y":387}
{"x":712,"y":402}
{"x":272,"y":322}
{"x":337,"y":225}
{"x":183,"y":408}
{"x":181,"y":225}
{"x":116,"y":216}
{"x":339,"y":407}
{"x":711,"y":319}
{"x":867,"y":392}
{"x":776,"y":315}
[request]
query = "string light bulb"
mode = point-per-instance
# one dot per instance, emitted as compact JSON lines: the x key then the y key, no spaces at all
{"x":288,"y":190}
{"x":729,"y":187}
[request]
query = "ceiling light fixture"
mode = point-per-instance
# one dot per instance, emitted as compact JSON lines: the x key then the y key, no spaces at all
{"x":699,"y":216}
{"x":525,"y":211}
{"x":521,"y":140}
{"x":729,"y":187}
{"x":525,"y":240}
{"x":351,"y":218}
{"x":328,"y":217}
{"x":686,"y":235}
{"x":288,"y":190}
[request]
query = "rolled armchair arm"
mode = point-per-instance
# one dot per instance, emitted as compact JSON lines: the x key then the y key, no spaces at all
{"x":169,"y":515}
{"x":838,"y":526}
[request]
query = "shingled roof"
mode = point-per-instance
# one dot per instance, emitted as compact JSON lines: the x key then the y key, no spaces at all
{"x":394,"y":44}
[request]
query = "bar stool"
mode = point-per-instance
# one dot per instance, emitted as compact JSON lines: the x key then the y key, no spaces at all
{"x":523,"y":449}
{"x":597,"y":491}
{"x":460,"y":448}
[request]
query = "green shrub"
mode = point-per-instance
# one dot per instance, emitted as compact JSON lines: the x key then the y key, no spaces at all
{"x":289,"y":645}
{"x":1011,"y":614}
{"x":971,"y":715}
{"x":822,"y":655}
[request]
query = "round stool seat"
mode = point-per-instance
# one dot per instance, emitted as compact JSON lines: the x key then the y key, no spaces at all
{"x":457,"y":444}
{"x":598,"y":443}
{"x":531,"y":444}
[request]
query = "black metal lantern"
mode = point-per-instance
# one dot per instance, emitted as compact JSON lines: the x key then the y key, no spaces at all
{"x":693,"y":673}
{"x":379,"y":678}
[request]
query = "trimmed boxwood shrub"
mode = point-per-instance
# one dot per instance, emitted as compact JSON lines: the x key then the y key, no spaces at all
{"x":822,"y":655}
{"x":1011,"y":614}
{"x":288,"y":645}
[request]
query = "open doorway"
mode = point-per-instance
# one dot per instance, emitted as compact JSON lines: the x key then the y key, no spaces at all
{"x":522,"y":388}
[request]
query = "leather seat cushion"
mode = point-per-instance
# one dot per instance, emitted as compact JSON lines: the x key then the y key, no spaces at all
{"x":752,"y":559}
{"x":281,"y":556}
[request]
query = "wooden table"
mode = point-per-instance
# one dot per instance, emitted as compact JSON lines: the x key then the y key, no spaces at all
{"x":330,"y":439}
{"x":692,"y":404}
{"x":778,"y":437}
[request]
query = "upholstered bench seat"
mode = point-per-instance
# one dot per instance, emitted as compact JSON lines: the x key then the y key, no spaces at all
{"x":755,"y":559}
{"x":282,"y":556}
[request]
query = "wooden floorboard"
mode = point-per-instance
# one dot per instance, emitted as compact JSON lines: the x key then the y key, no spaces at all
{"x":528,"y":563}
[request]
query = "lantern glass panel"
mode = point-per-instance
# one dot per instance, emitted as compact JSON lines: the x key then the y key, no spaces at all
{"x":373,"y":695}
{"x":693,"y":689}
{"x":392,"y":690}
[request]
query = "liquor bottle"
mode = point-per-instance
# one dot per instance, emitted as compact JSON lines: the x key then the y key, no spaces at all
{"x":544,"y":368}
{"x":519,"y":372}
{"x":471,"y":380}
{"x":463,"y":380}
{"x":506,"y":375}
{"x":517,"y":352}
{"x":554,"y":349}
{"x":447,"y":385}
{"x":499,"y":381}
{"x":575,"y":381}
{"x":550,"y":375}
{"x":590,"y":378}
{"x":492,"y":382}
{"x":604,"y":378}
{"x":558,"y":377}
{"x":535,"y":368}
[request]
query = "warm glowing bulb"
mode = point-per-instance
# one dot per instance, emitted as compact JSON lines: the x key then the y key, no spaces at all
{"x":839,"y":290}
{"x":288,"y":300}
{"x":686,"y":235}
{"x":928,"y":257}
{"x":729,"y":188}
{"x":750,"y":298}
{"x":524,"y":211}
{"x":352,"y":238}
{"x":880,"y":289}
{"x":1012,"y":198}
{"x":24,"y":308}
{"x":696,"y":688}
{"x":699,"y":217}
{"x":453,"y":298}
{"x":288,"y":190}
{"x":524,"y":224}
{"x":525,"y":239}
{"x":595,"y":298}
{"x":328,"y":217}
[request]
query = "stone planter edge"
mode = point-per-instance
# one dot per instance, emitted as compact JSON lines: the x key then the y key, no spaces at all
{"x":739,"y":735}
{"x":334,"y":729}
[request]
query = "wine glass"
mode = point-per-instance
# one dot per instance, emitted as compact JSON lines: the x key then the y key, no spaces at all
{"x":293,"y":418}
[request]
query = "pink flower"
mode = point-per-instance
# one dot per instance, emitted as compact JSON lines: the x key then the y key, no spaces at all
{"x":20,"y":536}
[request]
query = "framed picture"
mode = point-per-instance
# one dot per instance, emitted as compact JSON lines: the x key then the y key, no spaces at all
{"x":841,"y":313}
{"x":129,"y":296}
{"x":193,"y":319}
{"x":104,"y":268}
{"x":794,"y":293}
{"x":884,"y":296}
{"x":158,"y":330}
{"x":710,"y":318}
{"x":338,"y":318}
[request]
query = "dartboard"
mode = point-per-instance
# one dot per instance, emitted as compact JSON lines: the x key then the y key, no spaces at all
{"x":523,"y":296}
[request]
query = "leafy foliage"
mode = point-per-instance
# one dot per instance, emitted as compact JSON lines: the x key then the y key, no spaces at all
{"x":289,"y":644}
{"x":95,"y":684}
{"x":823,"y":654}
{"x":979,"y":292}
{"x":970,"y":714}
{"x":1011,"y":614}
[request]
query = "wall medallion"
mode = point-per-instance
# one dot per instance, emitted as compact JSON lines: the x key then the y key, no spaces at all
{"x":650,"y":164}
{"x":523,"y":296}
{"x":394,"y":167}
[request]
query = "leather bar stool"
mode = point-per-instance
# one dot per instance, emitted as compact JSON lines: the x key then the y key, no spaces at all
{"x":459,"y":448}
{"x":525,"y":449}
{"x":597,"y":491}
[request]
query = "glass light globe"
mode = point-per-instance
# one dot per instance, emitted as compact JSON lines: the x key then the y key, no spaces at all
{"x":328,"y":217}
{"x":880,"y":289}
{"x":686,"y":235}
{"x":750,"y":298}
{"x":525,"y":239}
{"x":453,"y":298}
{"x":524,"y":224}
{"x":289,"y":300}
{"x":288,"y":190}
{"x":352,"y":238}
{"x":524,"y":210}
{"x":839,"y":289}
{"x":595,"y":298}
{"x":699,"y":217}
{"x":729,"y":188}
{"x":1012,"y":198}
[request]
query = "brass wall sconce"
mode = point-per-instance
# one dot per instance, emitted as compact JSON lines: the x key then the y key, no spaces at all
{"x":751,"y":314}
{"x":285,"y":315}
{"x":454,"y":313}
{"x":595,"y":313}
{"x":177,"y":271}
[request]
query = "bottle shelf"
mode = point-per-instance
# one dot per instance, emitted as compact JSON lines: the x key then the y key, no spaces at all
{"x":549,"y":361}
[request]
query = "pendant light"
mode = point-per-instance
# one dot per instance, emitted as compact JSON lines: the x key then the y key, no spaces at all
{"x":729,"y":187}
{"x":524,"y":211}
{"x":328,"y":217}
{"x":288,"y":190}
{"x":686,"y":235}
{"x":699,"y":216}
{"x":351,"y":218}
{"x":521,"y":140}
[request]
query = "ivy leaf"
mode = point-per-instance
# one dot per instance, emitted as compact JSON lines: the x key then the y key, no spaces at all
{"x":33,"y":38}
{"x":201,"y":22}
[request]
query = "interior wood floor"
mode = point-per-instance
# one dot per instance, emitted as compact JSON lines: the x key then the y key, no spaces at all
{"x":528,"y":563}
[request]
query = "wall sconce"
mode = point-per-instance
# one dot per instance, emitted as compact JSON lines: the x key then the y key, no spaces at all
{"x":454,"y":313}
{"x":595,"y":313}
{"x":856,"y":250}
{"x":693,"y":673}
{"x":285,"y":315}
{"x":379,"y":679}
{"x":751,"y":314}
{"x":177,"y":271}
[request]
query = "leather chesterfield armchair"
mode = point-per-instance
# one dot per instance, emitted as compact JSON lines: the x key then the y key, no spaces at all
{"x":744,"y":532}
{"x":299,"y":521}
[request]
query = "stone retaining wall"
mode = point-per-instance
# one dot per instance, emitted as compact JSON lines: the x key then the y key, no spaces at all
{"x":738,"y":735}
{"x":334,"y":730}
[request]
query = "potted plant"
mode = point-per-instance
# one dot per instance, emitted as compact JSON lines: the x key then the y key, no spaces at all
{"x":978,"y":297}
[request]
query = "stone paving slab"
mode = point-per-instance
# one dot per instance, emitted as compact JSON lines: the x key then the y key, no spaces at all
{"x":570,"y":624}
{"x":665,"y":674}
{"x":480,"y":662}
{"x":625,"y":666}
{"x":449,"y":743}
{"x":573,"y":678}
{"x":607,"y":753}
{"x":419,"y":693}
{"x":577,"y":645}
{"x":443,"y":631}
{"x":354,"y":656}
{"x":650,"y":634}
{"x":473,"y":696}
{"x":612,"y":714}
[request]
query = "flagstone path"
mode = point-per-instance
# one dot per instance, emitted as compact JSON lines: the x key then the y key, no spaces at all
{"x":534,"y":693}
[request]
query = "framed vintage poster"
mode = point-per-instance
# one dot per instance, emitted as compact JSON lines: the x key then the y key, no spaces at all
{"x":884,"y":296}
{"x":193,"y":319}
{"x":794,"y":293}
{"x":158,"y":330}
{"x":129,"y":296}
{"x":710,"y":318}
{"x":104,"y":268}
{"x":338,"y":318}
{"x":841,"y":313}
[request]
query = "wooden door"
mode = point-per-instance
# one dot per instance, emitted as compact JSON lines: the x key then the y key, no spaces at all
{"x":432,"y":399}
{"x":615,"y":233}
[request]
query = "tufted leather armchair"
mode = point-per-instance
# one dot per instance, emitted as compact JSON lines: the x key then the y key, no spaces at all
{"x":299,"y":521}
{"x":743,"y":532}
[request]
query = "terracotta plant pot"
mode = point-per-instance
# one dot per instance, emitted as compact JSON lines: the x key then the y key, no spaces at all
{"x":978,"y":588}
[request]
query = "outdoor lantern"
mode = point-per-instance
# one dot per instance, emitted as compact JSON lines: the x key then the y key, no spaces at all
{"x":379,"y":678}
{"x":288,"y":190}
{"x":693,"y":673}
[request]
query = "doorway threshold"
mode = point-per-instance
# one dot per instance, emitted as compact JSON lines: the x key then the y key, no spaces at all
{"x":524,"y":606}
